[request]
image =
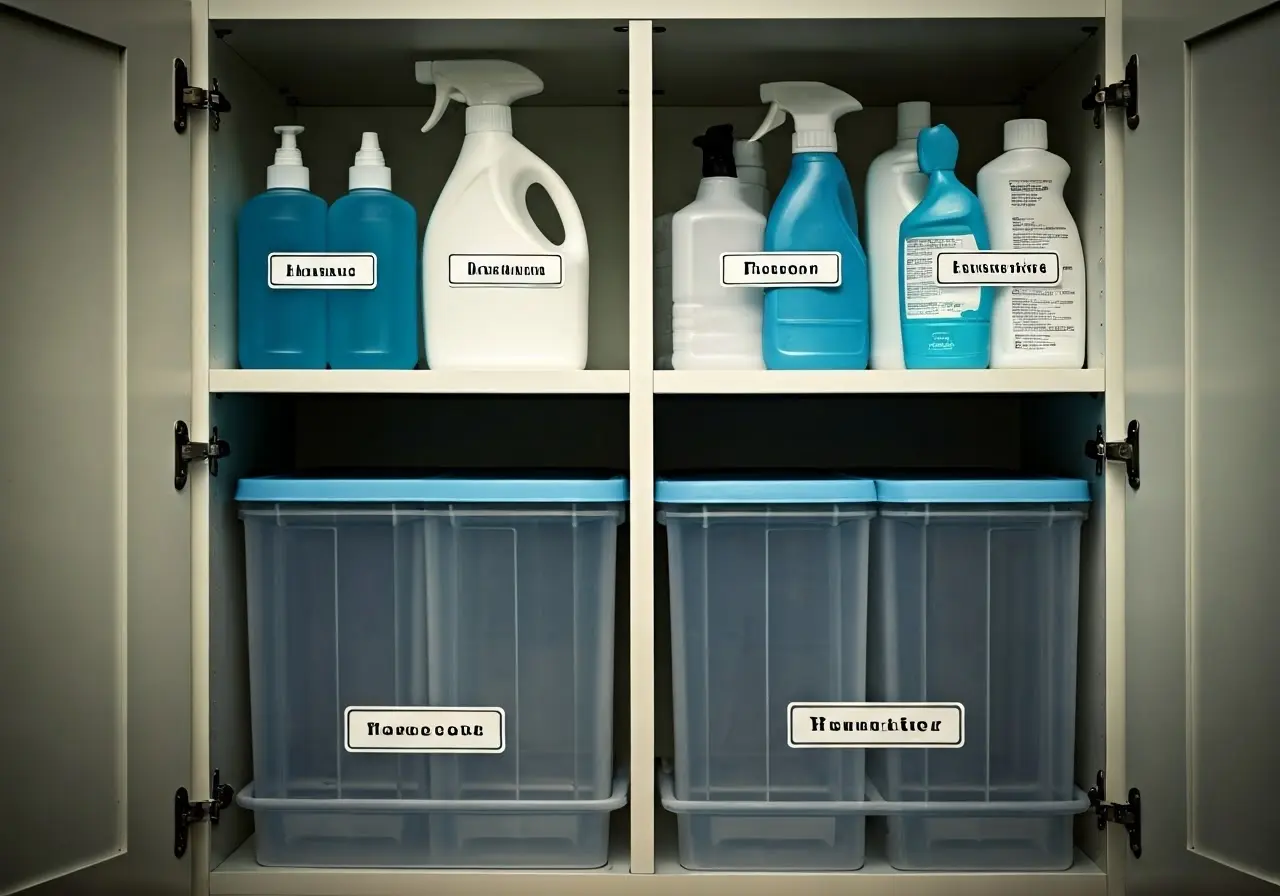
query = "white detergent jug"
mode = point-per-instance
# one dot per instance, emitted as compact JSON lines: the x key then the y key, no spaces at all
{"x":497,"y":294}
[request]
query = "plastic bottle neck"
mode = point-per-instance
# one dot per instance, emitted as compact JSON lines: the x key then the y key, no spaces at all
{"x":488,"y":119}
{"x":713,"y":187}
{"x":813,"y":141}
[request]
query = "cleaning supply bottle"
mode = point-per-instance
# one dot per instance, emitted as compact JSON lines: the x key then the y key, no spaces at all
{"x":812,"y":327}
{"x":713,"y":326}
{"x":748,"y":158}
{"x":376,"y":328}
{"x":942,"y":326}
{"x":497,"y":293}
{"x":895,"y":185}
{"x":1021,"y":194}
{"x":280,"y":321}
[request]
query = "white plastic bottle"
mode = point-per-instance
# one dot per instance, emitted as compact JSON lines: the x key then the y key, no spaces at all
{"x":748,"y":158}
{"x":715,"y":327}
{"x":1021,"y":194}
{"x":497,"y":294}
{"x":894,"y":187}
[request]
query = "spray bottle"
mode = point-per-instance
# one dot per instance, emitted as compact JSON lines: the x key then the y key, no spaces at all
{"x":818,"y":319}
{"x":497,"y":293}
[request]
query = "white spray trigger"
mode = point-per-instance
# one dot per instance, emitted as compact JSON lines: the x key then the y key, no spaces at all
{"x":774,"y":117}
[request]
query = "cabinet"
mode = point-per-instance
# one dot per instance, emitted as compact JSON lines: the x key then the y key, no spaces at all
{"x":124,"y":655}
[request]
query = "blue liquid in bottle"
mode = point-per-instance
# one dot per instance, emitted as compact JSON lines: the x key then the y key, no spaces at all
{"x":817,"y":328}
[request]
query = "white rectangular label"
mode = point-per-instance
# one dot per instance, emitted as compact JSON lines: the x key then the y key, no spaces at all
{"x":322,"y":270}
{"x":773,"y":270}
{"x":506,"y":270}
{"x":991,"y":268}
{"x":426,"y":729}
{"x":875,"y":725}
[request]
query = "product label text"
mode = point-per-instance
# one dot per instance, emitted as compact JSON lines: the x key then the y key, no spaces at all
{"x":875,"y":725}
{"x":775,"y":270}
{"x":992,"y":268}
{"x":322,"y":270}
{"x":425,"y":729}
{"x":506,"y":270}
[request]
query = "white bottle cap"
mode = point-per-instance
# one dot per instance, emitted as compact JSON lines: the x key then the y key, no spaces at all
{"x":288,"y":172}
{"x":370,"y":172}
{"x":912,"y":119}
{"x":1026,"y":133}
{"x":748,"y":154}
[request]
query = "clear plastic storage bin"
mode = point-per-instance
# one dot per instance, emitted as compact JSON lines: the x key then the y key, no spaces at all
{"x":975,"y":590}
{"x":768,"y":607}
{"x":449,"y":593}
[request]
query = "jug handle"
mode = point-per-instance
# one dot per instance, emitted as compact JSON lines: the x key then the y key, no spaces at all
{"x":522,"y":169}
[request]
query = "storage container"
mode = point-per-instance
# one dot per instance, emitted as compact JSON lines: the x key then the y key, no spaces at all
{"x":489,"y":599}
{"x":975,"y":589}
{"x":768,"y":607}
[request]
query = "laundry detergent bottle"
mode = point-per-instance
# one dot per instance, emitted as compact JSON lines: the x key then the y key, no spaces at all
{"x":280,"y":326}
{"x":942,"y":327}
{"x":497,"y":293}
{"x":815,"y":327}
{"x":375,"y":329}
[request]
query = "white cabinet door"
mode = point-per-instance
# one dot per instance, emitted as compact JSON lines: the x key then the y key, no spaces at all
{"x":95,"y":368}
{"x":1202,"y":374}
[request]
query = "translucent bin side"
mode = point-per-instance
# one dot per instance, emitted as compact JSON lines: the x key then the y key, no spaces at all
{"x":978,"y":604}
{"x":422,"y":605}
{"x":768,"y":607}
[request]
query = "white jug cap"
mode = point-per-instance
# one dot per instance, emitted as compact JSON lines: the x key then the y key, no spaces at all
{"x":913,"y":118}
{"x":1026,"y":133}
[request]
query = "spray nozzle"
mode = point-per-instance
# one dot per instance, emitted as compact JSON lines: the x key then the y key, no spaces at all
{"x":814,"y":106}
{"x":370,"y":171}
{"x":717,"y":151}
{"x":477,"y":82}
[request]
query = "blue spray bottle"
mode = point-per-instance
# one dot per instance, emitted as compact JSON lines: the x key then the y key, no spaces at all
{"x":815,"y":327}
{"x":279,"y":325}
{"x":942,"y":327}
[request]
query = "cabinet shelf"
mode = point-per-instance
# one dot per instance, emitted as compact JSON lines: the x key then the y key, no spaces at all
{"x":722,"y":382}
{"x":457,"y":382}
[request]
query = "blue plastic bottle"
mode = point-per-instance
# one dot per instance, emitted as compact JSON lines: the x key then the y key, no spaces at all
{"x":375,"y":329}
{"x":280,"y":328}
{"x":942,"y":327}
{"x":813,"y":327}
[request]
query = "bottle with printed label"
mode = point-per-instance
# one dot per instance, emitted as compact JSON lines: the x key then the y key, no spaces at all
{"x":895,"y":185}
{"x":281,"y":315}
{"x":819,"y":319}
{"x":942,"y":326}
{"x":714,"y":326}
{"x":1021,"y":193}
{"x":375,"y":328}
{"x":497,"y":293}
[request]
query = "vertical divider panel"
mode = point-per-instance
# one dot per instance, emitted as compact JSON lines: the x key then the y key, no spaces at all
{"x":640,"y":210}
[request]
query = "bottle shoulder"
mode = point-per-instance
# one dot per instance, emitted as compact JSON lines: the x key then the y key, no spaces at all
{"x":371,"y":201}
{"x":1037,"y":164}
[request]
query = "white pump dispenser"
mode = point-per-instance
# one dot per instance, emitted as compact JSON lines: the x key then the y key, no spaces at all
{"x":814,"y":106}
{"x":370,"y":171}
{"x":288,"y":172}
{"x":497,"y":294}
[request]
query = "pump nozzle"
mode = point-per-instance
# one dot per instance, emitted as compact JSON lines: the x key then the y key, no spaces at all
{"x":477,"y":82}
{"x":814,"y":106}
{"x":288,"y":172}
{"x":370,"y":171}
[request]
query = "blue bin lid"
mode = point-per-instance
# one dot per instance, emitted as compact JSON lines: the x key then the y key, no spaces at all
{"x":766,"y":490}
{"x":1038,"y":490}
{"x":528,"y":488}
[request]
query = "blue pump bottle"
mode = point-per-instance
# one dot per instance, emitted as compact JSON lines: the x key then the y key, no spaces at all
{"x":811,"y":327}
{"x":375,"y":329}
{"x":280,"y":328}
{"x":942,"y":327}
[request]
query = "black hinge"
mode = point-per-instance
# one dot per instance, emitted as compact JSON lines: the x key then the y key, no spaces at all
{"x":1125,"y":452}
{"x":1121,"y":95}
{"x":1128,"y":814}
{"x":186,"y":451}
{"x":187,"y":813}
{"x":186,"y":98}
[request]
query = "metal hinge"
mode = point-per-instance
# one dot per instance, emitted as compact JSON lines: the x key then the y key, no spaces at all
{"x":1127,"y":814}
{"x":1125,"y":452}
{"x":186,"y":452}
{"x":187,"y":813}
{"x":186,"y":98}
{"x":1121,"y":95}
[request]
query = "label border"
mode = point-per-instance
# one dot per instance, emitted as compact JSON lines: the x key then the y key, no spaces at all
{"x":556,"y":285}
{"x":361,"y":287}
{"x":346,"y":728}
{"x":836,"y":285}
{"x":937,"y":269}
{"x":791,"y":707}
